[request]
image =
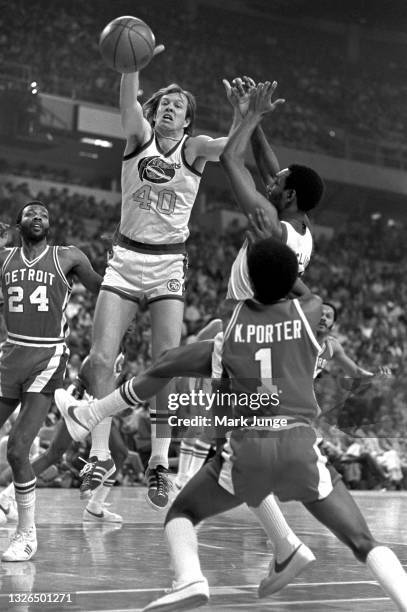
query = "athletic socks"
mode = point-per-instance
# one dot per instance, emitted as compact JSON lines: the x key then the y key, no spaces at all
{"x":184,"y":459}
{"x":183,"y":548}
{"x":100,"y":440}
{"x":278,"y":531}
{"x":390,"y":574}
{"x":160,"y":437}
{"x":198,"y":458}
{"x":25,"y":498}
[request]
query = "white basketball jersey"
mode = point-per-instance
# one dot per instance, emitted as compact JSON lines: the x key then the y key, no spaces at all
{"x":239,"y":287}
{"x":158,"y":192}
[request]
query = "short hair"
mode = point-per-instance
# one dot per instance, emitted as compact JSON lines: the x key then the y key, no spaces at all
{"x":151,"y":105}
{"x":273,"y":270}
{"x":309,"y":186}
{"x":32,"y":203}
{"x":335,"y":310}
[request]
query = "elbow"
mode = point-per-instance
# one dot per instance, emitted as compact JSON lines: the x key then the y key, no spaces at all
{"x":226,"y":158}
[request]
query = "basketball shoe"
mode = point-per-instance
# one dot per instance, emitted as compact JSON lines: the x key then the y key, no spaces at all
{"x":8,"y":510}
{"x":281,"y":574}
{"x":23,"y":546}
{"x":182,"y":597}
{"x":94,"y":474}
{"x":104,"y":516}
{"x":159,"y":487}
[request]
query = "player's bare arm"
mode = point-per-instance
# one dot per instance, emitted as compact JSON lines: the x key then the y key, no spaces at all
{"x":201,"y":149}
{"x":264,"y":155}
{"x":233,"y":157}
{"x":311,"y":305}
{"x":135,"y":127}
{"x":192,"y":360}
{"x":351,"y":368}
{"x":74,"y":261}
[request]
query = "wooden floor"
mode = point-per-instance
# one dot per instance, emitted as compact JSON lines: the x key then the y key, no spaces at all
{"x":114,"y":569}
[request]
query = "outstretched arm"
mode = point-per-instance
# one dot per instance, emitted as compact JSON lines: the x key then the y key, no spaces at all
{"x":352,"y":369}
{"x":233,"y":156}
{"x":136,"y":128}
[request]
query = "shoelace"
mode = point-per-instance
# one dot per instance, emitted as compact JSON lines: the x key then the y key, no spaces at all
{"x":87,"y":469}
{"x":163,"y":484}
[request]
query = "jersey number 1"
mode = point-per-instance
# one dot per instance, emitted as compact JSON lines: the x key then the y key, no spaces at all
{"x":37,"y":297}
{"x":266,"y":371}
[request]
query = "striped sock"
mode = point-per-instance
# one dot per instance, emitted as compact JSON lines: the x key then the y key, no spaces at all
{"x":199,"y":454}
{"x":25,"y":498}
{"x":97,"y":410}
{"x":160,"y":437}
{"x":184,"y":459}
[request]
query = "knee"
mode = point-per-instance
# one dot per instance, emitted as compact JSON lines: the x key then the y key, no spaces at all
{"x":17,"y":452}
{"x":361,"y":545}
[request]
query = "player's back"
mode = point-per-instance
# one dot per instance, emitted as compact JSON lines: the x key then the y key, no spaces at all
{"x":271,"y":349}
{"x":35,"y":297}
{"x":239,"y":287}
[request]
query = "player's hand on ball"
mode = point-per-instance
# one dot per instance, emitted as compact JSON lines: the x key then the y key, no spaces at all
{"x":261,"y":98}
{"x":158,"y":49}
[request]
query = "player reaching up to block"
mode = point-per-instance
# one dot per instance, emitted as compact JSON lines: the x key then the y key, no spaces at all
{"x":36,"y":288}
{"x":162,"y":167}
{"x":256,"y":459}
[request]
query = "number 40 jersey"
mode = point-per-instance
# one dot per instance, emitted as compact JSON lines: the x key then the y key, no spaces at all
{"x":36,"y":294}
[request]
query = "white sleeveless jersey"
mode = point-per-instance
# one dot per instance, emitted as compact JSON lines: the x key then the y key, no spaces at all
{"x":158,"y":192}
{"x":239,"y":287}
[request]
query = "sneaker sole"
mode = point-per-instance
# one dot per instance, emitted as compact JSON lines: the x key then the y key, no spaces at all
{"x":155,"y":507}
{"x":195,"y":601}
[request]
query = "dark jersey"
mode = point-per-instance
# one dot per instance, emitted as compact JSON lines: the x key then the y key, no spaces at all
{"x":36,"y":294}
{"x":271,"y":350}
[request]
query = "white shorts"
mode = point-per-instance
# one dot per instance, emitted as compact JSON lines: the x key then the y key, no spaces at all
{"x":134,"y":275}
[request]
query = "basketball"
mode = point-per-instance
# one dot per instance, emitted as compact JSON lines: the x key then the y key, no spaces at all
{"x":127,"y":44}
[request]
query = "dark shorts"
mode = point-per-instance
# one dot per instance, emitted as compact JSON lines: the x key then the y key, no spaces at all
{"x":286,"y":462}
{"x":26,"y":369}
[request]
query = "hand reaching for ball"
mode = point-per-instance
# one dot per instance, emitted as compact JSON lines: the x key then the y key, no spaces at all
{"x":261,"y":101}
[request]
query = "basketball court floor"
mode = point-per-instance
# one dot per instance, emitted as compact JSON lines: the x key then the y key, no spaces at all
{"x":105,"y":567}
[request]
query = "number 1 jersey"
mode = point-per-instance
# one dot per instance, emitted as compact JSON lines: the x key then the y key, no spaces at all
{"x":271,"y":350}
{"x":35,"y":294}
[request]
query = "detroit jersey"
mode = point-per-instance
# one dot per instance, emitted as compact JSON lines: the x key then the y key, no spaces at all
{"x":36,"y":294}
{"x":239,"y":287}
{"x":325,"y":355}
{"x":271,"y":349}
{"x":158,"y":193}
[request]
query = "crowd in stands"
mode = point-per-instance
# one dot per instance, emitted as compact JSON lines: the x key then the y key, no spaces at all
{"x":328,"y":97}
{"x":361,"y":270}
